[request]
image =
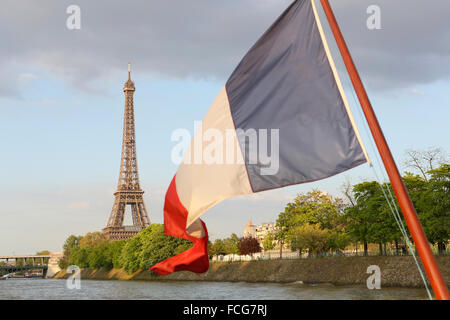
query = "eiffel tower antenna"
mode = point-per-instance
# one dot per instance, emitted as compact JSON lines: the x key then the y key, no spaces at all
{"x":128,"y":191}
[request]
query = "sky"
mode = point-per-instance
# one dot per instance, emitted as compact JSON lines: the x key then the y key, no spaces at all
{"x":61,"y":100}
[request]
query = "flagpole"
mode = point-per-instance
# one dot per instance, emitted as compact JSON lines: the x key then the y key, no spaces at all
{"x":406,"y":206}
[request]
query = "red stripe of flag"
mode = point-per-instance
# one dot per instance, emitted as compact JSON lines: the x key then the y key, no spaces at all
{"x":194,"y":259}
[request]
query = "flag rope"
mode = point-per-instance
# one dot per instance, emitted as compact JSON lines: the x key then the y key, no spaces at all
{"x":390,"y":200}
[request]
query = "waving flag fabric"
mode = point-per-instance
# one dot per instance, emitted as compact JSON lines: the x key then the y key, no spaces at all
{"x":287,"y":88}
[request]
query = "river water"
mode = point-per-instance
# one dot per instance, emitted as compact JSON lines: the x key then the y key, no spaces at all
{"x":54,"y":289}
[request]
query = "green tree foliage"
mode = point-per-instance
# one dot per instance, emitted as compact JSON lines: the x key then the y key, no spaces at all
{"x":370,"y":220}
{"x":156,"y":246}
{"x":142,"y":251}
{"x":92,"y":239}
{"x":434,"y":206}
{"x":130,"y":257}
{"x":231,"y":244}
{"x":217,"y":248}
{"x":38,"y":261}
{"x":182,"y":247}
{"x":225,"y":246}
{"x":115,"y":251}
{"x":249,"y":246}
{"x":20,"y":262}
{"x":313,"y":208}
{"x":100,"y":257}
{"x":43,"y":253}
{"x":338,"y":240}
{"x":71,"y":243}
{"x":268,"y":242}
{"x":80,"y":257}
{"x":309,"y":236}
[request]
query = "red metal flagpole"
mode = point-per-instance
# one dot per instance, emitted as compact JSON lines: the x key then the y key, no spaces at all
{"x":406,"y":206}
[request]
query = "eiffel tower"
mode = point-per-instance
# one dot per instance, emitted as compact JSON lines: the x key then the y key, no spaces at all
{"x":128,"y":189}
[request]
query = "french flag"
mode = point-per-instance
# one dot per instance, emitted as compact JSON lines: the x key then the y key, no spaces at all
{"x":287,"y":88}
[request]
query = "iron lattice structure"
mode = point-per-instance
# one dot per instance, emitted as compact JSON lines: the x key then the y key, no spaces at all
{"x":128,"y":189}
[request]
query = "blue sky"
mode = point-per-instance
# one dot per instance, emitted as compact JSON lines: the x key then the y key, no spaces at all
{"x":61,"y":132}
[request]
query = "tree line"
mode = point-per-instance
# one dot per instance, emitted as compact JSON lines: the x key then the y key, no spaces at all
{"x":320,"y":223}
{"x":142,"y":251}
{"x":315,"y":222}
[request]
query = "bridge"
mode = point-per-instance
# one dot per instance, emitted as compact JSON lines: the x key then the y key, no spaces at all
{"x":48,"y":264}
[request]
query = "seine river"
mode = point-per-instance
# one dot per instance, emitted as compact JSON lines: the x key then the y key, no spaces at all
{"x":174,"y":290}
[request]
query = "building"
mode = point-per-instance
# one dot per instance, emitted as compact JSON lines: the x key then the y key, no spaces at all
{"x":259,"y":232}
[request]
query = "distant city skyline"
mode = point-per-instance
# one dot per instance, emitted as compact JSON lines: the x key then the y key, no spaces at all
{"x":62,"y":102}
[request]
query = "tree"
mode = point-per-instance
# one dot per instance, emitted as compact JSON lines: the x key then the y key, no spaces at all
{"x":93,"y":239}
{"x":338,"y":241}
{"x":293,"y":237}
{"x":130,"y":255}
{"x":423,"y":161}
{"x":101,"y":257}
{"x":434,"y":207}
{"x":268,"y":242}
{"x":43,"y":253}
{"x":80,"y":257}
{"x":154,"y":246}
{"x":361,"y":215}
{"x":115,"y":251}
{"x":231,"y":244}
{"x":249,"y":246}
{"x":309,"y":236}
{"x":347,"y":190}
{"x":371,"y":219}
{"x":142,"y":251}
{"x":384,"y":228}
{"x":71,"y":243}
{"x":314,"y":207}
{"x":217,"y":248}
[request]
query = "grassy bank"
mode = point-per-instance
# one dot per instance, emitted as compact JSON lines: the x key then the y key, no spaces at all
{"x":396,"y":271}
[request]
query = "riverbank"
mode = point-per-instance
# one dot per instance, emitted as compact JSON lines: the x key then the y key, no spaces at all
{"x":396,"y":271}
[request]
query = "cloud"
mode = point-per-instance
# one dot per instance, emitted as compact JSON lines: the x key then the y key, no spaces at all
{"x":207,"y":39}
